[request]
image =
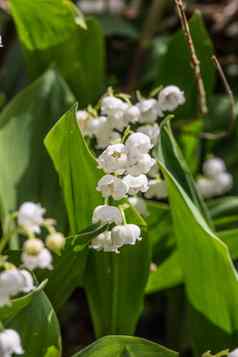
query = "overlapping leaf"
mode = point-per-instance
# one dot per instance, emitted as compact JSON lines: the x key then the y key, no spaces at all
{"x":57,"y":35}
{"x":121,"y":346}
{"x":26,"y":170}
{"x":210,"y":278}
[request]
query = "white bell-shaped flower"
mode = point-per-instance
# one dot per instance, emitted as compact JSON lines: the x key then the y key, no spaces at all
{"x":10,"y":343}
{"x":136,"y":183}
{"x":43,"y":260}
{"x":30,"y":216}
{"x":103,"y":242}
{"x":98,"y":126}
{"x":113,"y":159}
{"x":112,"y":186}
{"x":113,"y":106}
{"x":55,"y":242}
{"x":137,"y":144}
{"x":132,"y":115}
{"x":206,"y":187}
{"x":152,"y":131}
{"x":157,"y":189}
{"x":140,"y":205}
{"x":126,"y":234}
{"x":223,"y":182}
{"x":142,"y":165}
{"x":107,"y":214}
{"x":213,"y":167}
{"x":13,"y":282}
{"x":33,"y":246}
{"x":170,"y":98}
{"x":149,"y":110}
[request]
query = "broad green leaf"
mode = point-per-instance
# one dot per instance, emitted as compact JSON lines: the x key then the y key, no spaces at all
{"x":67,"y":275}
{"x":38,"y":327}
{"x":57,"y":36}
{"x":9,"y":311}
{"x":49,"y":27}
{"x":125,"y":346}
{"x":78,"y":176}
{"x":26,"y":170}
{"x":169,"y":273}
{"x":170,"y":153}
{"x":175,"y":67}
{"x":77,"y":170}
{"x":204,"y":258}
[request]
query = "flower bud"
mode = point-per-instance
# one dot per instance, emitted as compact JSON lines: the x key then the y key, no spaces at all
{"x":55,"y":242}
{"x":33,"y":246}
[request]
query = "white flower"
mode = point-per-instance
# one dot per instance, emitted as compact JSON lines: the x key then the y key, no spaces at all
{"x":126,"y":234}
{"x":112,"y":105}
{"x":223,"y":182}
{"x":89,"y":6}
{"x":33,"y":246}
{"x":98,"y":126}
{"x":137,"y":144}
{"x":213,"y":167}
{"x":43,"y":260}
{"x":152,"y":131}
{"x":113,"y":159}
{"x":55,"y":242}
{"x":104,"y":242}
{"x":112,"y":186}
{"x":132,"y":114}
{"x":170,"y":98}
{"x":157,"y":189}
{"x":10,"y":343}
{"x":149,"y":110}
{"x":136,"y":183}
{"x":30,"y":216}
{"x":107,"y":138}
{"x":139,"y":204}
{"x":12,"y":282}
{"x":206,"y":187}
{"x":142,"y":165}
{"x":233,"y":353}
{"x":107,"y":214}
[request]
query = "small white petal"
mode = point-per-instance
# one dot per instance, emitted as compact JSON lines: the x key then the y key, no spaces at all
{"x":107,"y":214}
{"x":170,"y":98}
{"x":112,"y":186}
{"x":213,"y":167}
{"x":136,"y":183}
{"x":137,"y":144}
{"x":126,"y":234}
{"x":142,"y":165}
{"x":30,"y":216}
{"x":233,"y":353}
{"x":10,"y":343}
{"x":206,"y":187}
{"x":43,"y":260}
{"x":149,"y":110}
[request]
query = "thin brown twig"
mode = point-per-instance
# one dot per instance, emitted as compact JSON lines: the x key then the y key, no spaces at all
{"x":232,"y":122}
{"x":195,"y":63}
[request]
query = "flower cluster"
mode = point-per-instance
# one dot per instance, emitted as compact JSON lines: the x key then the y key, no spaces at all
{"x":117,"y":113}
{"x":215,"y":180}
{"x":127,"y":133}
{"x":36,"y":254}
